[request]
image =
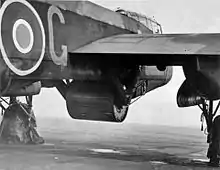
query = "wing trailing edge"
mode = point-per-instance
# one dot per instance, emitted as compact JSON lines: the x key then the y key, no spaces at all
{"x":175,"y":48}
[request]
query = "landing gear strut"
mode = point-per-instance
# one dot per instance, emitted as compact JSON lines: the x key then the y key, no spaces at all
{"x":18,"y":123}
{"x":213,"y":131}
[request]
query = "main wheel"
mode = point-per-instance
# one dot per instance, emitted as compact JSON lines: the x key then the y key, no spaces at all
{"x":120,"y":114}
{"x":214,"y":145}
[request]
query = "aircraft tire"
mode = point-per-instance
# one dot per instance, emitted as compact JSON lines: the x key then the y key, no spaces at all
{"x":120,"y":114}
{"x":214,"y":145}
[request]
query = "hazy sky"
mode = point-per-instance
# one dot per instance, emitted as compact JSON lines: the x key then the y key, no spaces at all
{"x":158,"y":106}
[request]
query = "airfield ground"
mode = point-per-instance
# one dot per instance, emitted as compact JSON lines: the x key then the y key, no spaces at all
{"x":93,"y":146}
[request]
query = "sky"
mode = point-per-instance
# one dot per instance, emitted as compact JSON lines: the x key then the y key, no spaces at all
{"x":159,"y":106}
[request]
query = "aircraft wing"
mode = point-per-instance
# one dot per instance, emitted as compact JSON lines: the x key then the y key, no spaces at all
{"x":176,"y":48}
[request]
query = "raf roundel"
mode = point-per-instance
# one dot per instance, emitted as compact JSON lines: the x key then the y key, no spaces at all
{"x":20,"y":30}
{"x":22,"y":37}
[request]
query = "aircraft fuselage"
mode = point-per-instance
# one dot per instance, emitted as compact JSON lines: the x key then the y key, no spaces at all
{"x":37,"y":45}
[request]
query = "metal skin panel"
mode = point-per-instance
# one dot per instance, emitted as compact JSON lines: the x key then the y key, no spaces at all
{"x":22,"y":37}
{"x":99,"y":13}
{"x":197,"y":53}
{"x":66,"y":30}
{"x":152,"y":73}
{"x":70,"y":32}
{"x":63,"y":30}
{"x":203,"y":74}
{"x":178,"y":44}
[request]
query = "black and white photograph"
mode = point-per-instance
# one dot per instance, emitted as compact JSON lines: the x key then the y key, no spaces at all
{"x":109,"y":85}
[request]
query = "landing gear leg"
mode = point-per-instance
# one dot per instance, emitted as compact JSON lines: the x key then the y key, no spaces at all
{"x":18,"y":123}
{"x":213,"y":131}
{"x":125,"y":94}
{"x":35,"y":138}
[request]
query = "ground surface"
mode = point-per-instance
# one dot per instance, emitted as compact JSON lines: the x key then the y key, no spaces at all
{"x":93,"y":146}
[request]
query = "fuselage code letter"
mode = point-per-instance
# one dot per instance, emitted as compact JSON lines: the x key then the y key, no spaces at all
{"x":62,"y":59}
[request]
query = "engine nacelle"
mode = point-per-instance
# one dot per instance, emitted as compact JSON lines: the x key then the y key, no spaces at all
{"x":153,"y":73}
{"x":203,"y":73}
{"x":151,"y":78}
{"x":187,"y":96}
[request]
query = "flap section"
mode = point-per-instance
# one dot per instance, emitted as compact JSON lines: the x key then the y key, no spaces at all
{"x":169,"y":44}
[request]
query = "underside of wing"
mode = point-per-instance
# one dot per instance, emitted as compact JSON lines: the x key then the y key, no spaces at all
{"x":174,"y":48}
